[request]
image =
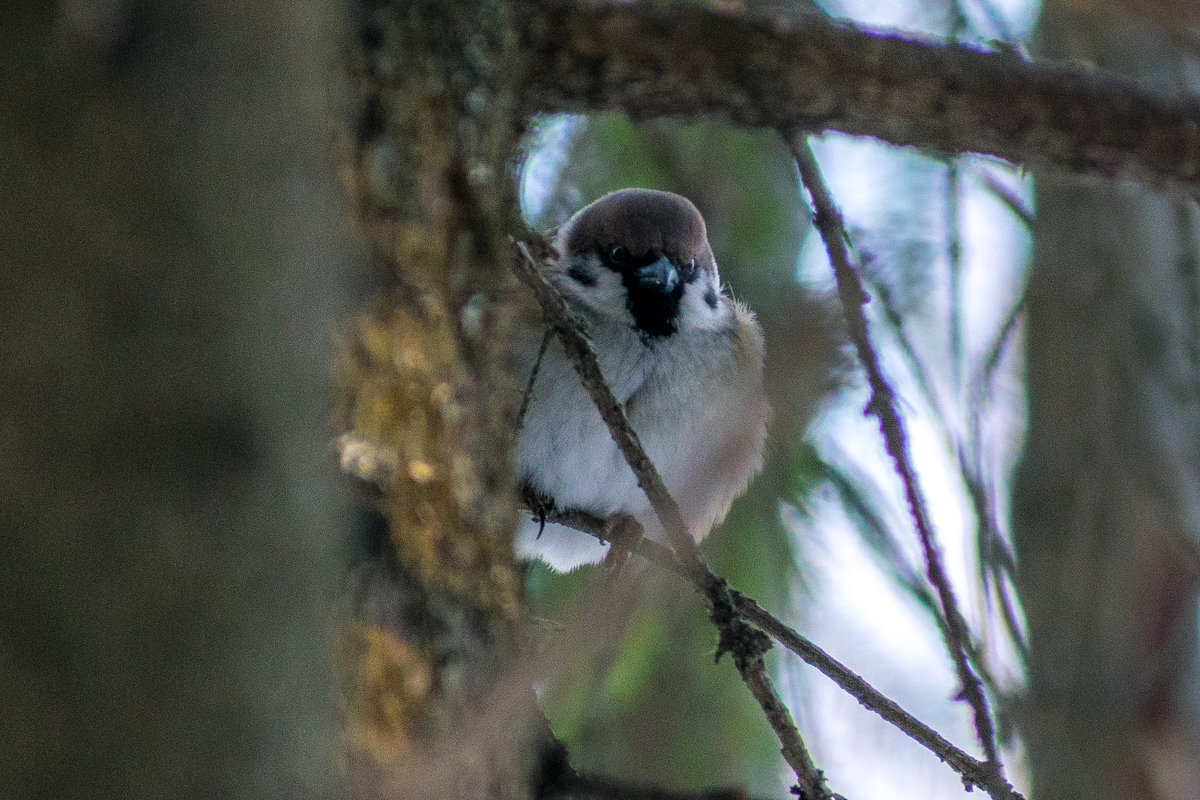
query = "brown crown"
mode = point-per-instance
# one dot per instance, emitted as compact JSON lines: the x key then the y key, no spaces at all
{"x":642,"y":221}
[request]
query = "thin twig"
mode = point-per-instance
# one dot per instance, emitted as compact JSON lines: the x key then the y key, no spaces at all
{"x":908,"y":350}
{"x":914,"y":584}
{"x":954,"y":254}
{"x":982,"y":380}
{"x":988,"y":534}
{"x":527,"y":396}
{"x":1008,"y":613}
{"x":745,"y":643}
{"x":812,"y":780}
{"x":995,"y":553}
{"x":1004,"y":31}
{"x":568,"y":328}
{"x":1007,"y":197}
{"x":973,"y":771}
{"x":883,"y":405}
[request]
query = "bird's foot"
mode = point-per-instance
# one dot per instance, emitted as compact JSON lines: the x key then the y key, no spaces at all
{"x":538,"y":504}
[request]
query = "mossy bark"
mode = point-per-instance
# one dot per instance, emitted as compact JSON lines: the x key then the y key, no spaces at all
{"x":429,"y":711}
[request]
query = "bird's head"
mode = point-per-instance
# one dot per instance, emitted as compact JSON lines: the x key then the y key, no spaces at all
{"x":642,"y":257}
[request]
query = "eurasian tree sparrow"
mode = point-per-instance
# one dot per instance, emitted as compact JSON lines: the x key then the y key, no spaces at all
{"x":684,"y":357}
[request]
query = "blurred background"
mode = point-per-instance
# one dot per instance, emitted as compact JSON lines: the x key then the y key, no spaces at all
{"x":1041,"y":332}
{"x":173,"y":270}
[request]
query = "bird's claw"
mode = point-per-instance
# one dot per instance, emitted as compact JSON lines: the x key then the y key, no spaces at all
{"x":538,"y":504}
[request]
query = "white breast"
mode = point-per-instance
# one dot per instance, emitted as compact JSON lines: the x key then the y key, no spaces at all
{"x":687,"y":404}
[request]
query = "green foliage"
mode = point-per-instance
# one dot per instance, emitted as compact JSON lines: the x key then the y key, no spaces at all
{"x":661,"y":711}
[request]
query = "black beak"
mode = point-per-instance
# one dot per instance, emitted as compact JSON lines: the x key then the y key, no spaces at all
{"x":659,"y":277}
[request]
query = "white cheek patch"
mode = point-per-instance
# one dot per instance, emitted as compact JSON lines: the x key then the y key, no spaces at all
{"x":587,"y":281}
{"x":696,"y":312}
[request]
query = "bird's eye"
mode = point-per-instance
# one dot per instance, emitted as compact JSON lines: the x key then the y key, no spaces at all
{"x":617,"y":256}
{"x":689,"y":270}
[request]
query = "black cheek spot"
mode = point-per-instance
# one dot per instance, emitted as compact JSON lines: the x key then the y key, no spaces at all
{"x":710,"y":297}
{"x":581,"y":275}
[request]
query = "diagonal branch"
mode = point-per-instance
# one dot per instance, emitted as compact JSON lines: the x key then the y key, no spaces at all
{"x":973,"y":771}
{"x":374,"y":464}
{"x":579,"y":350}
{"x":821,"y":75}
{"x":745,"y":643}
{"x":883,"y":405}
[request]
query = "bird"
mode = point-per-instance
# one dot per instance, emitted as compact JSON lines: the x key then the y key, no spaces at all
{"x":678,"y":351}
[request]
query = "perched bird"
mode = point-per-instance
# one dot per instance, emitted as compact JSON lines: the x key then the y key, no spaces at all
{"x":683,"y":356}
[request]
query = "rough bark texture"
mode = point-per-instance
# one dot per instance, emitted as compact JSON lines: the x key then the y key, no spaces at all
{"x":1106,"y":497}
{"x":817,"y":75}
{"x":168,"y":289}
{"x":430,"y":714}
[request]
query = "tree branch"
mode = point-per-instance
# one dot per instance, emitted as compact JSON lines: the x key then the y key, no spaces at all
{"x":745,"y":643}
{"x":579,"y":350}
{"x":973,"y":771}
{"x":828,"y":222}
{"x":819,"y":75}
{"x":371,"y":463}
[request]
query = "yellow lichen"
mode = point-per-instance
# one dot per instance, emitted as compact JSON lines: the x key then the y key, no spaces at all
{"x":408,"y":397}
{"x":420,"y":471}
{"x":389,"y":691}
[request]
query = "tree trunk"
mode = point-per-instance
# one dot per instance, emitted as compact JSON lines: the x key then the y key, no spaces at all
{"x":169,"y":281}
{"x":436,"y":705}
{"x":1105,"y":503}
